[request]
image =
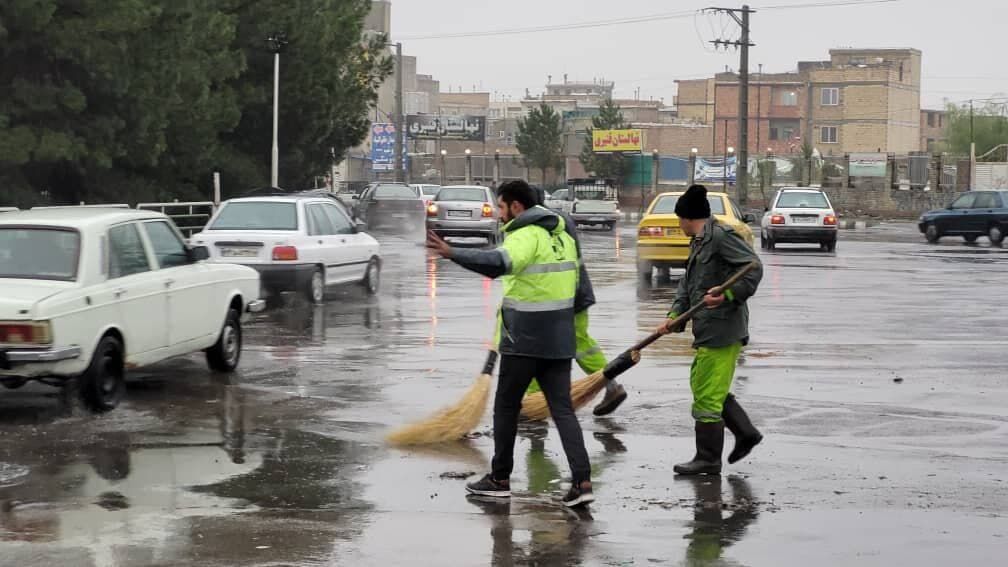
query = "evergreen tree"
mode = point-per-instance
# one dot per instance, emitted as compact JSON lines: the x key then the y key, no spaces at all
{"x":540,"y":139}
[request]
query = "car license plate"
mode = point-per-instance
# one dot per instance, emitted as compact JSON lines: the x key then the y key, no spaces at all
{"x":239,"y":252}
{"x":673,"y":232}
{"x":804,"y":219}
{"x":464,"y":214}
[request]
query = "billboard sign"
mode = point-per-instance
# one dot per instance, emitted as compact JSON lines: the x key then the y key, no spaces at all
{"x":617,"y":140}
{"x":715,"y":169}
{"x":433,"y":127}
{"x":383,"y":146}
{"x":868,"y":165}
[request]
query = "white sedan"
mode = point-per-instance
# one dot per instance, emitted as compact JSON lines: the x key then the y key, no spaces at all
{"x":88,"y":293}
{"x":297,"y":242}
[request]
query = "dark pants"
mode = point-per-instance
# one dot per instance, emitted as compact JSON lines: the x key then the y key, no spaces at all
{"x":516,"y":372}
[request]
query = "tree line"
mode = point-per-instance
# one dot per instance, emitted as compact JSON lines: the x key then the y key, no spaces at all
{"x":134,"y":100}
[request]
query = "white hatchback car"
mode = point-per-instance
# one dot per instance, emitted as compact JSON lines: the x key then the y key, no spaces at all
{"x":295,"y":242}
{"x":90,"y":292}
{"x":799,"y":215}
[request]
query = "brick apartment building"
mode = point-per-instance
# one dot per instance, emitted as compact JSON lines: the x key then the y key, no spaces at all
{"x":861,"y":100}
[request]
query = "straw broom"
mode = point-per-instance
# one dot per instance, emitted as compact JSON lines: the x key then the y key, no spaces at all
{"x":453,"y":422}
{"x":534,"y":406}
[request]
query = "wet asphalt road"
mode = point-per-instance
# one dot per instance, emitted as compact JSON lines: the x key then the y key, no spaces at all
{"x":879,"y":376}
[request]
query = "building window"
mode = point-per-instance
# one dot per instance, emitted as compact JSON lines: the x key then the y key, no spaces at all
{"x":502,"y":134}
{"x":828,"y":135}
{"x":773,"y":134}
{"x":787,"y":98}
{"x":831,"y":96}
{"x":931,"y":120}
{"x":930,"y":144}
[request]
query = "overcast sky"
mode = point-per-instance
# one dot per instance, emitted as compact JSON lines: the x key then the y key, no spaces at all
{"x":964,"y":43}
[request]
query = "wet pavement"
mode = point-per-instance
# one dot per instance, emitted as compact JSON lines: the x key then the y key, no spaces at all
{"x":878,"y":375}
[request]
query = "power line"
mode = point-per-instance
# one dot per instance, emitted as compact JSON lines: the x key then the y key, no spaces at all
{"x":826,"y":4}
{"x":558,"y":27}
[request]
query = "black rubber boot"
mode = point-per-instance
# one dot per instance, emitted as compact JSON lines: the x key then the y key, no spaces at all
{"x":746,"y":435}
{"x":709,"y":445}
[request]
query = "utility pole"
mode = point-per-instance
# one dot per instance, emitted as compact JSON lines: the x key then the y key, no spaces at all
{"x":400,"y":174}
{"x":741,"y":17}
{"x":759,"y":109}
{"x":972,"y":181}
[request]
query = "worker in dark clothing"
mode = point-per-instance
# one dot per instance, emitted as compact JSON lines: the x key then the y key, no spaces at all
{"x":538,"y":263}
{"x":589,"y":354}
{"x":720,"y":331}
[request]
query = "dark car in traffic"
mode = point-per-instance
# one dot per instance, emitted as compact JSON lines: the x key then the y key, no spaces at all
{"x":390,"y":206}
{"x":972,"y":215}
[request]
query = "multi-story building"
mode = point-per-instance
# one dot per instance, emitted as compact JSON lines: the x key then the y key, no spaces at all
{"x":861,"y":100}
{"x":934,"y":130}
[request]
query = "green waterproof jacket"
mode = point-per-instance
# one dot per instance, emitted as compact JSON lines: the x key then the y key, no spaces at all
{"x":538,"y":265}
{"x":714,"y":256}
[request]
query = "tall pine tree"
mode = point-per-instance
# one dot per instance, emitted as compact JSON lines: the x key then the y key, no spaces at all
{"x":540,"y":139}
{"x":608,"y":166}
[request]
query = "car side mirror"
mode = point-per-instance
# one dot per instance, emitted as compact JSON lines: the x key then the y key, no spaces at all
{"x":354,"y":197}
{"x":766,"y":209}
{"x":359,"y":225}
{"x":199,"y":253}
{"x":748,"y":218}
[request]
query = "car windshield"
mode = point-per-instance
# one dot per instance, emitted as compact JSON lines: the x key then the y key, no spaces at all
{"x":559,"y":195}
{"x":462,"y":194}
{"x":666,"y":205}
{"x":802,"y":200}
{"x":430,"y":190}
{"x":394,"y":192}
{"x":39,"y":253}
{"x":256,"y":215}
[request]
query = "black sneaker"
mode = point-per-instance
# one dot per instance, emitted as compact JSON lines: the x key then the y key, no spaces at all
{"x":487,"y":486}
{"x":579,"y":495}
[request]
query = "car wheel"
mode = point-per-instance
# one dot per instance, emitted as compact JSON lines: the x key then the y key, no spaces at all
{"x":14,"y":383}
{"x":315,"y":290}
{"x":831,"y":246}
{"x":103,"y":383}
{"x":226,"y":352}
{"x":770,"y":244}
{"x":931,"y":233}
{"x":996,"y":235}
{"x":372,"y":277}
{"x":970,"y":238}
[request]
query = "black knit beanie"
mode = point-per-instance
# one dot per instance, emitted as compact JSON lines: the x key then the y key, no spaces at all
{"x":693,"y":204}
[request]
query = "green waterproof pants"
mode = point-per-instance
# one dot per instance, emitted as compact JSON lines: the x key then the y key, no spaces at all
{"x":589,"y":355}
{"x":710,"y":380}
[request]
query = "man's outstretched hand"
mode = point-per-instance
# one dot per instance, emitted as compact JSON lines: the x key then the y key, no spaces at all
{"x":437,"y":245}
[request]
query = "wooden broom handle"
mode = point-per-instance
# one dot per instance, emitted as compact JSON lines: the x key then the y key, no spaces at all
{"x":693,"y":310}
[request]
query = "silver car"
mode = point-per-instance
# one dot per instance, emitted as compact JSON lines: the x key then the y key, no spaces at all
{"x":465,"y":211}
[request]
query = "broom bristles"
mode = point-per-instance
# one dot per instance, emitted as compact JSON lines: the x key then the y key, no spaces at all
{"x":451,"y":423}
{"x":534,"y":406}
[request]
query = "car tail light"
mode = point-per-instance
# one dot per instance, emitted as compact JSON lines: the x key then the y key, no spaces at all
{"x":829,"y":220}
{"x":35,"y":333}
{"x":285,"y":253}
{"x":432,"y":210}
{"x":487,"y":211}
{"x":777,"y":219}
{"x":651,"y":231}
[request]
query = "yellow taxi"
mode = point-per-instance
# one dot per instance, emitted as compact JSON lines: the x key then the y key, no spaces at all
{"x":662,"y":244}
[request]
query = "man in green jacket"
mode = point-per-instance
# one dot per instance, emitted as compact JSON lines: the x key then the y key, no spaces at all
{"x":720,"y":331}
{"x":538,"y":263}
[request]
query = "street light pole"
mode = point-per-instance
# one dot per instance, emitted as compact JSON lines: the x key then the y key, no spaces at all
{"x":400,"y":174}
{"x":443,"y":173}
{"x":692,"y":169}
{"x":276,"y":41}
{"x":468,"y":166}
{"x":729,"y":151}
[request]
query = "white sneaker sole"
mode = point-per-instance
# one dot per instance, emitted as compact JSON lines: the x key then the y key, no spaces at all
{"x":580,"y":501}
{"x":489,"y":494}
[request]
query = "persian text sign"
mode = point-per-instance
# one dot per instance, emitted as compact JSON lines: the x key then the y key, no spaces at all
{"x":868,"y":165}
{"x":616,"y":140}
{"x":431,"y":127}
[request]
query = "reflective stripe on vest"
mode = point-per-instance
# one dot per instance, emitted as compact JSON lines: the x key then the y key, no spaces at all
{"x":550,"y":268}
{"x":536,"y":306}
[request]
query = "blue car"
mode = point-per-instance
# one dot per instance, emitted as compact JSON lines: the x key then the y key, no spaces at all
{"x":975,"y":214}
